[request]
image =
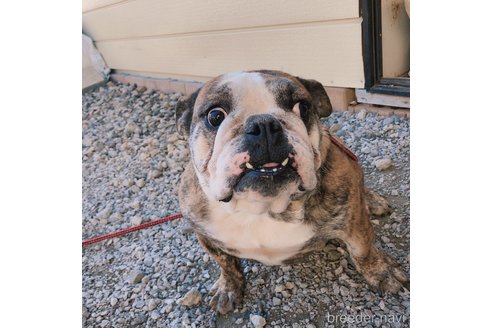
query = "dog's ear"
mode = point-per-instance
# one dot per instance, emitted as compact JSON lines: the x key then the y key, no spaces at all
{"x":321,"y":101}
{"x":184,"y":113}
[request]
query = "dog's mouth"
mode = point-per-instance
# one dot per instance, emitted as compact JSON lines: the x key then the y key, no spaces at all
{"x":268,"y":169}
{"x":268,"y":179}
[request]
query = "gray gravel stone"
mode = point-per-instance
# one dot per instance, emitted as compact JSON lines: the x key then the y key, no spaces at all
{"x":152,"y":304}
{"x":104,"y":214}
{"x":344,"y":291}
{"x":148,"y":261}
{"x":85,"y":312}
{"x":289,"y":285}
{"x":136,"y":220}
{"x":155,"y":315}
{"x":361,"y":115}
{"x":193,"y":297}
{"x":115,"y":217}
{"x":257,"y":321}
{"x":383,"y":164}
{"x":135,"y":276}
{"x":139,"y":319}
{"x":154,"y":174}
{"x":135,"y":205}
{"x":279,"y":288}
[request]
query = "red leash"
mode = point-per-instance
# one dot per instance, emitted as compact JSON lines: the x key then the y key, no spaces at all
{"x":128,"y":230}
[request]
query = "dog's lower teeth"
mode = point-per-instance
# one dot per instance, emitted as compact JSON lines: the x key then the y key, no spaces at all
{"x":267,"y":168}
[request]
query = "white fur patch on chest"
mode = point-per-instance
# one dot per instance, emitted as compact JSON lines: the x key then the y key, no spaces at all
{"x":258,"y":236}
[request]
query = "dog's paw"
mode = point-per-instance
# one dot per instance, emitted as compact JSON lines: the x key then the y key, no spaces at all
{"x":226,"y":296}
{"x":377,"y":204}
{"x":383,"y":274}
{"x":389,"y":279}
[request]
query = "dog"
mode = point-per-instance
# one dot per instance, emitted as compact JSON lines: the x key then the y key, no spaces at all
{"x":267,"y":182}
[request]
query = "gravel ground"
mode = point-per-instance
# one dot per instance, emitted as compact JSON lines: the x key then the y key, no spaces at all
{"x":132,"y":161}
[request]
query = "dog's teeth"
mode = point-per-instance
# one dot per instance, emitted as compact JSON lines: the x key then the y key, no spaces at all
{"x":262,"y":170}
{"x":249,"y":166}
{"x":285,"y":161}
{"x":274,"y":170}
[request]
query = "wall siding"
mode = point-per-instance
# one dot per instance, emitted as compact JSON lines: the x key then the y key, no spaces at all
{"x":92,"y":5}
{"x":318,"y":39}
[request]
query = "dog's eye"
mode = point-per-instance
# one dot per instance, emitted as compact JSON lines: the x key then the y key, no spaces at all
{"x":216,"y":116}
{"x":301,"y":108}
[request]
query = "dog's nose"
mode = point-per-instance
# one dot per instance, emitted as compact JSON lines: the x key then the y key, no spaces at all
{"x":265,"y":140}
{"x":264,"y":130}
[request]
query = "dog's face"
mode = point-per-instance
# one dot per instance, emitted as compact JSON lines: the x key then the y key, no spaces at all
{"x":255,"y":137}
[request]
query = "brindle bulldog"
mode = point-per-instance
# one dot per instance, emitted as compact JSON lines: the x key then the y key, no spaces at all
{"x":267,"y":182}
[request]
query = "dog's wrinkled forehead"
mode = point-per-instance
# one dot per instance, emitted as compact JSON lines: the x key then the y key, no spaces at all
{"x":253,"y":91}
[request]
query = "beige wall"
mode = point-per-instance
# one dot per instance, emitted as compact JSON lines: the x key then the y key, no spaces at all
{"x":193,"y":39}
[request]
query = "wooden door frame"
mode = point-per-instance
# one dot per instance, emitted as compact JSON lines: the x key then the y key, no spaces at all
{"x":372,"y":53}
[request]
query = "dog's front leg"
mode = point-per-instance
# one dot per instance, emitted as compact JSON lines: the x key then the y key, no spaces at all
{"x":229,"y":288}
{"x":381,"y":271}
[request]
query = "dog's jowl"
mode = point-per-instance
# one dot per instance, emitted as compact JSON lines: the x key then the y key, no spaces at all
{"x":265,"y":181}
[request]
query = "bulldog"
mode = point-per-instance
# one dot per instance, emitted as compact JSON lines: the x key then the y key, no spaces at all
{"x":267,"y":182}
